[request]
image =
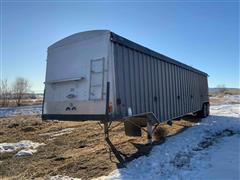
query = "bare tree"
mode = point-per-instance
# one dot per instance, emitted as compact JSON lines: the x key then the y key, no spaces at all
{"x":222,"y":88}
{"x":21,"y":86}
{"x":5,"y":93}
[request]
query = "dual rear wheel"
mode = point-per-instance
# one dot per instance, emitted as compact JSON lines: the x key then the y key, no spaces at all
{"x":205,"y":111}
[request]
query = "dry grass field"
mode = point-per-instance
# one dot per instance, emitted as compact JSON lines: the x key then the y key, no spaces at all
{"x":25,"y":102}
{"x":77,"y":149}
{"x":80,"y":153}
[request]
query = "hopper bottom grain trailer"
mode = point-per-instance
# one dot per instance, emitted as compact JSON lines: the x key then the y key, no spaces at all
{"x":99,"y":75}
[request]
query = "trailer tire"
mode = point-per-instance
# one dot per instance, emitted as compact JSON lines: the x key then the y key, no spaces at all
{"x":208,"y":109}
{"x":205,"y":111}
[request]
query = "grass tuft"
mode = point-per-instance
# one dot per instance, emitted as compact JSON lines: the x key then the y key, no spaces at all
{"x":159,"y":133}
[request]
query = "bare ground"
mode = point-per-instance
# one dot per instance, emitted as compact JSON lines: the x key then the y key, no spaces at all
{"x":81,"y":153}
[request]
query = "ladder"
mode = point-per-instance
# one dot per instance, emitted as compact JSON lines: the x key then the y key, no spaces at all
{"x":96,"y":79}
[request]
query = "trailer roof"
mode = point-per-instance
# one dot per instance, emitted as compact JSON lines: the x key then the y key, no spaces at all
{"x":138,"y":47}
{"x":81,"y":36}
{"x":123,"y":41}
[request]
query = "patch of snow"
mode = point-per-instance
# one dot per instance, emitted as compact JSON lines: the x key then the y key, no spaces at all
{"x":226,"y":110}
{"x":233,"y":97}
{"x":225,"y":159}
{"x":26,"y":152}
{"x":24,"y":144}
{"x":22,"y":110}
{"x":58,"y":133}
{"x":60,"y":177}
{"x":209,"y":150}
{"x":226,"y":99}
{"x":27,"y":147}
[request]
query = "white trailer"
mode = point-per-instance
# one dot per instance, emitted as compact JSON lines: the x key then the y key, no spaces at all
{"x":141,"y":81}
{"x":78,"y":69}
{"x":99,"y":75}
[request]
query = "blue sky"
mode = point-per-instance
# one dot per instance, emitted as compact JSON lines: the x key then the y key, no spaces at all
{"x":204,"y":35}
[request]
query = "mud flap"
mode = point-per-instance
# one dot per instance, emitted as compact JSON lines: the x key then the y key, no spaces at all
{"x":131,"y":129}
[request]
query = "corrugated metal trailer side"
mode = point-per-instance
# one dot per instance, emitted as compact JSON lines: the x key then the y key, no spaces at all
{"x":150,"y":82}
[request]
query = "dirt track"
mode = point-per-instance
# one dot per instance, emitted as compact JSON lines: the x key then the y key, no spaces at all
{"x":81,"y":153}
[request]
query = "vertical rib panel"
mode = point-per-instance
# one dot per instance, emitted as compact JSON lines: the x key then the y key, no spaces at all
{"x":146,"y":87}
{"x":158,"y":88}
{"x":128,"y":78}
{"x":175,"y":91}
{"x":149,"y":84}
{"x":176,"y":82}
{"x":164,"y":89}
{"x":168,"y":92}
{"x":178,"y":90}
{"x":194,"y":91}
{"x":161,"y":101}
{"x":183,"y":94}
{"x":171,"y":90}
{"x":153,"y":84}
{"x":191,"y":91}
{"x":138,"y":67}
{"x":197,"y":90}
{"x":126,"y":75}
{"x":188,"y":94}
{"x":136,"y":79}
{"x":121,"y":79}
{"x":185,"y":90}
{"x":133,"y":81}
{"x":116,"y":68}
{"x":145,"y":84}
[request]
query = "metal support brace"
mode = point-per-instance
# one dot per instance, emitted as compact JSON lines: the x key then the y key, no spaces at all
{"x":106,"y":132}
{"x":106,"y":129}
{"x":112,"y":147}
{"x":149,"y":132}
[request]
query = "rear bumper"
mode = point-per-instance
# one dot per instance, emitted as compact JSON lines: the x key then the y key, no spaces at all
{"x":74,"y":117}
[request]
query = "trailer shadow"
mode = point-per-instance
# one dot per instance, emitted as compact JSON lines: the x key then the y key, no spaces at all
{"x":142,"y":150}
{"x":145,"y":149}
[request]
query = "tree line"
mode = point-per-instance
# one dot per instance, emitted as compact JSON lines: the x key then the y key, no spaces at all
{"x":16,"y":92}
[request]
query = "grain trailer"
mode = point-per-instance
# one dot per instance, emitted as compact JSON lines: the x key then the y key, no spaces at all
{"x":99,"y":75}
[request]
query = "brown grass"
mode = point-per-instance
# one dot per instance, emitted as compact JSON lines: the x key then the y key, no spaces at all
{"x":159,"y":133}
{"x":221,"y":93}
{"x":82,"y":153}
{"x":25,"y":102}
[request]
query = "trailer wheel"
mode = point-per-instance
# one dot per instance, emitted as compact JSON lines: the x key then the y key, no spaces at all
{"x":205,"y":111}
{"x":208,"y":109}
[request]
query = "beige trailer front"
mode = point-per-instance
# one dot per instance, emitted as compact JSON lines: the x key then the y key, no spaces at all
{"x":140,"y":81}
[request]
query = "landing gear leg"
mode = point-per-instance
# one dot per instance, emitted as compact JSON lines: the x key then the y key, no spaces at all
{"x":112,"y":147}
{"x":106,"y":132}
{"x":149,"y":132}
